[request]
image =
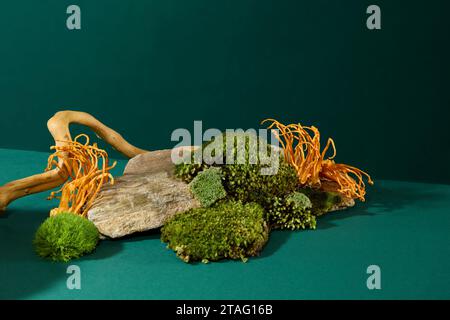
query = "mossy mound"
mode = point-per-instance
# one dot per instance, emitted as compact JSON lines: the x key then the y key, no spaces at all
{"x":292,"y":212}
{"x":245,"y":179}
{"x":228,"y":229}
{"x":244,"y":182}
{"x":227,"y":148}
{"x":207,"y":187}
{"x":65,"y":236}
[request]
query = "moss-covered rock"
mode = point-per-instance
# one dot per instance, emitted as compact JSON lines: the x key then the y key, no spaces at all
{"x":65,"y":236}
{"x":207,"y":186}
{"x":292,"y":212}
{"x":226,"y":230}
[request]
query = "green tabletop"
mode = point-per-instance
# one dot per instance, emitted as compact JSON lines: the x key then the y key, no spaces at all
{"x":403,"y":228}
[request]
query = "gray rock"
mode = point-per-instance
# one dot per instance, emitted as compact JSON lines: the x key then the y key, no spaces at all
{"x":150,"y":162}
{"x":143,"y":198}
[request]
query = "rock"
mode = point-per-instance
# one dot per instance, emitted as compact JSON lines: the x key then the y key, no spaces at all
{"x":345,"y":203}
{"x":143,"y":198}
{"x":150,"y":162}
{"x":155,"y":161}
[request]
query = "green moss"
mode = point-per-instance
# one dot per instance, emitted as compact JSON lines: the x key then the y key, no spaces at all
{"x":299,"y":200}
{"x":292,"y":212}
{"x":247,"y":184}
{"x":225,"y":147}
{"x":207,"y":186}
{"x":236,"y":147}
{"x":65,"y":236}
{"x":322,"y":201}
{"x":227,"y":230}
{"x":276,"y":193}
{"x":188,"y":171}
{"x":244,"y":181}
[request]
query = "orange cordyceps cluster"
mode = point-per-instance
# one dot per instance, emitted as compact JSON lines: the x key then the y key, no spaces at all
{"x":301,"y":147}
{"x":88,"y":170}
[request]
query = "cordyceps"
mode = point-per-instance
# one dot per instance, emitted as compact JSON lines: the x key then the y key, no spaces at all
{"x":301,"y":147}
{"x":88,"y":170}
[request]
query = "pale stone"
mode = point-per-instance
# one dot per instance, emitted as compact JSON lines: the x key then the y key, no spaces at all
{"x":143,"y":198}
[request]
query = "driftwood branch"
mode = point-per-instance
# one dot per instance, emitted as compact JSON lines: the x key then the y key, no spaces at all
{"x":58,"y":126}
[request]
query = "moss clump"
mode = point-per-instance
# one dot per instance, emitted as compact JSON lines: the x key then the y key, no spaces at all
{"x":236,"y":147}
{"x":65,"y":236}
{"x":322,"y":201}
{"x":226,"y":230}
{"x":246,"y":183}
{"x":292,"y":212}
{"x":207,"y":186}
{"x":243,"y":180}
{"x":242,"y":148}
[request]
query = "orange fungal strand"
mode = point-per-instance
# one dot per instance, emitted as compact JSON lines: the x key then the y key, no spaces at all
{"x":88,"y":169}
{"x":301,"y":149}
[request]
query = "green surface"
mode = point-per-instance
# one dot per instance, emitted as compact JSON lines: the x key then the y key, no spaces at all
{"x":146,"y":67}
{"x":403,"y":227}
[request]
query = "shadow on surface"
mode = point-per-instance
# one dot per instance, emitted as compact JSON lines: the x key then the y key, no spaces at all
{"x":140,"y":236}
{"x":277,"y":239}
{"x":386,"y":197}
{"x":23,"y":274}
{"x":105,"y":249}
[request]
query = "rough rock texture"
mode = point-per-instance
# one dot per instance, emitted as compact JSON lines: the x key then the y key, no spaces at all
{"x":143,"y":198}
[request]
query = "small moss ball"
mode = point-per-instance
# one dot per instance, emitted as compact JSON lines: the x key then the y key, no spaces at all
{"x":65,"y":236}
{"x":229,"y":230}
{"x":207,"y":187}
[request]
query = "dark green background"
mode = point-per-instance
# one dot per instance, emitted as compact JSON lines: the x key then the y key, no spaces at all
{"x":148,"y":67}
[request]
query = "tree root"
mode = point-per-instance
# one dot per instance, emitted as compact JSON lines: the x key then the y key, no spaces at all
{"x":58,"y":126}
